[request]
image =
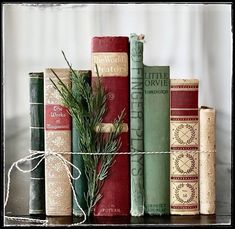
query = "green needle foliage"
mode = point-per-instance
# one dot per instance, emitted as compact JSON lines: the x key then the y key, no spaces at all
{"x":87,"y":106}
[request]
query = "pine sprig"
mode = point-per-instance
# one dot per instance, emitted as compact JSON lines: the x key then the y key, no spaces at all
{"x":87,"y":106}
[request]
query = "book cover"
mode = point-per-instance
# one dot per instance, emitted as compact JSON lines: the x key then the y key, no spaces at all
{"x":207,"y":159}
{"x":137,"y":124}
{"x":156,"y":139}
{"x":184,"y":130}
{"x":57,"y":140}
{"x":111,"y":54}
{"x":80,"y":185}
{"x":37,"y":178}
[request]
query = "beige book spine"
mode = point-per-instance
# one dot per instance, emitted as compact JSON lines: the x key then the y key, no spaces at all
{"x":57,"y":140}
{"x":184,"y":143}
{"x":207,"y":160}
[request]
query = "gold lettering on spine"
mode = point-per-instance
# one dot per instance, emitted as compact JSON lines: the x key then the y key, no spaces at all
{"x":110,"y":64}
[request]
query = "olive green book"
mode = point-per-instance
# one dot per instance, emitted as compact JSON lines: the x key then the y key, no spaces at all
{"x":157,"y":139}
{"x":137,"y":124}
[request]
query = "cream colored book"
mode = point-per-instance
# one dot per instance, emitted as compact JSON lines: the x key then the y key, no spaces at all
{"x":184,"y":142}
{"x":57,"y":140}
{"x":207,"y":160}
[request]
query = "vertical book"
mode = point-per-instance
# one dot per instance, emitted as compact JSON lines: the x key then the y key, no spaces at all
{"x":37,"y":179}
{"x":184,"y":130}
{"x":111,"y":54}
{"x":57,"y":140}
{"x":80,"y":185}
{"x":156,"y":139}
{"x":207,"y":160}
{"x":137,"y":124}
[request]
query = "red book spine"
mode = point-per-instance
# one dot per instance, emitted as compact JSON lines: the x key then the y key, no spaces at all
{"x":111,"y":54}
{"x":184,"y":146}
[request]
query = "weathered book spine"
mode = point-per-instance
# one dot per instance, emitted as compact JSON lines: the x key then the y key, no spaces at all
{"x":156,"y":139}
{"x":111,"y":54}
{"x":37,"y":179}
{"x":57,"y":140}
{"x":80,"y":185}
{"x":137,"y":124}
{"x":207,"y":160}
{"x":184,"y":142}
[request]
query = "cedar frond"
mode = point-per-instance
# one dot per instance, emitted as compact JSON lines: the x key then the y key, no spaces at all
{"x":87,"y":106}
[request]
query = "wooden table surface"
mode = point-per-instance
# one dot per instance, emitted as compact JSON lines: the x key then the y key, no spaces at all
{"x":16,"y":147}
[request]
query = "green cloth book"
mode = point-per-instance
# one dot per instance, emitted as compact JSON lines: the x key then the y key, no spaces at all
{"x":80,"y":185}
{"x":37,"y":178}
{"x":157,"y":139}
{"x":136,"y":124}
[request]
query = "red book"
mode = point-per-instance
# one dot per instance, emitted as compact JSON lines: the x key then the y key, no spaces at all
{"x":184,"y":142}
{"x":111,"y":54}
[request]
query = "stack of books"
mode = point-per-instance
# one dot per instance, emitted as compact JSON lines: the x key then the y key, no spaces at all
{"x":166,"y":162}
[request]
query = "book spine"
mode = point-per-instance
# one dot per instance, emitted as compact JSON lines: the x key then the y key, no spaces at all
{"x":184,"y":147}
{"x":80,"y":185}
{"x":37,"y":178}
{"x":156,"y":139}
{"x":207,"y":160}
{"x":136,"y":124}
{"x":111,"y":54}
{"x":57,"y":140}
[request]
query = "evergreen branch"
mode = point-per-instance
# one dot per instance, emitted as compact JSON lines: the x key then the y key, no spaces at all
{"x":70,"y":66}
{"x":87,"y":107}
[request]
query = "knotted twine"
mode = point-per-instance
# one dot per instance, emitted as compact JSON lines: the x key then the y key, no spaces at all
{"x":43,"y":155}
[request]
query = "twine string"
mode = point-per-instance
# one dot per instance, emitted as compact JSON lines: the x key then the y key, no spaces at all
{"x":23,"y":219}
{"x":43,"y":154}
{"x":66,"y":163}
{"x":132,"y":153}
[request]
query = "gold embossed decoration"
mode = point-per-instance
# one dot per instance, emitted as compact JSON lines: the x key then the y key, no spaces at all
{"x":184,"y":133}
{"x":185,"y":193}
{"x":185,"y":163}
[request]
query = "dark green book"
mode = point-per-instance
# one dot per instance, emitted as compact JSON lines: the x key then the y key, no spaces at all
{"x":80,"y":185}
{"x":157,"y":139}
{"x":37,"y":179}
{"x":137,"y":124}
